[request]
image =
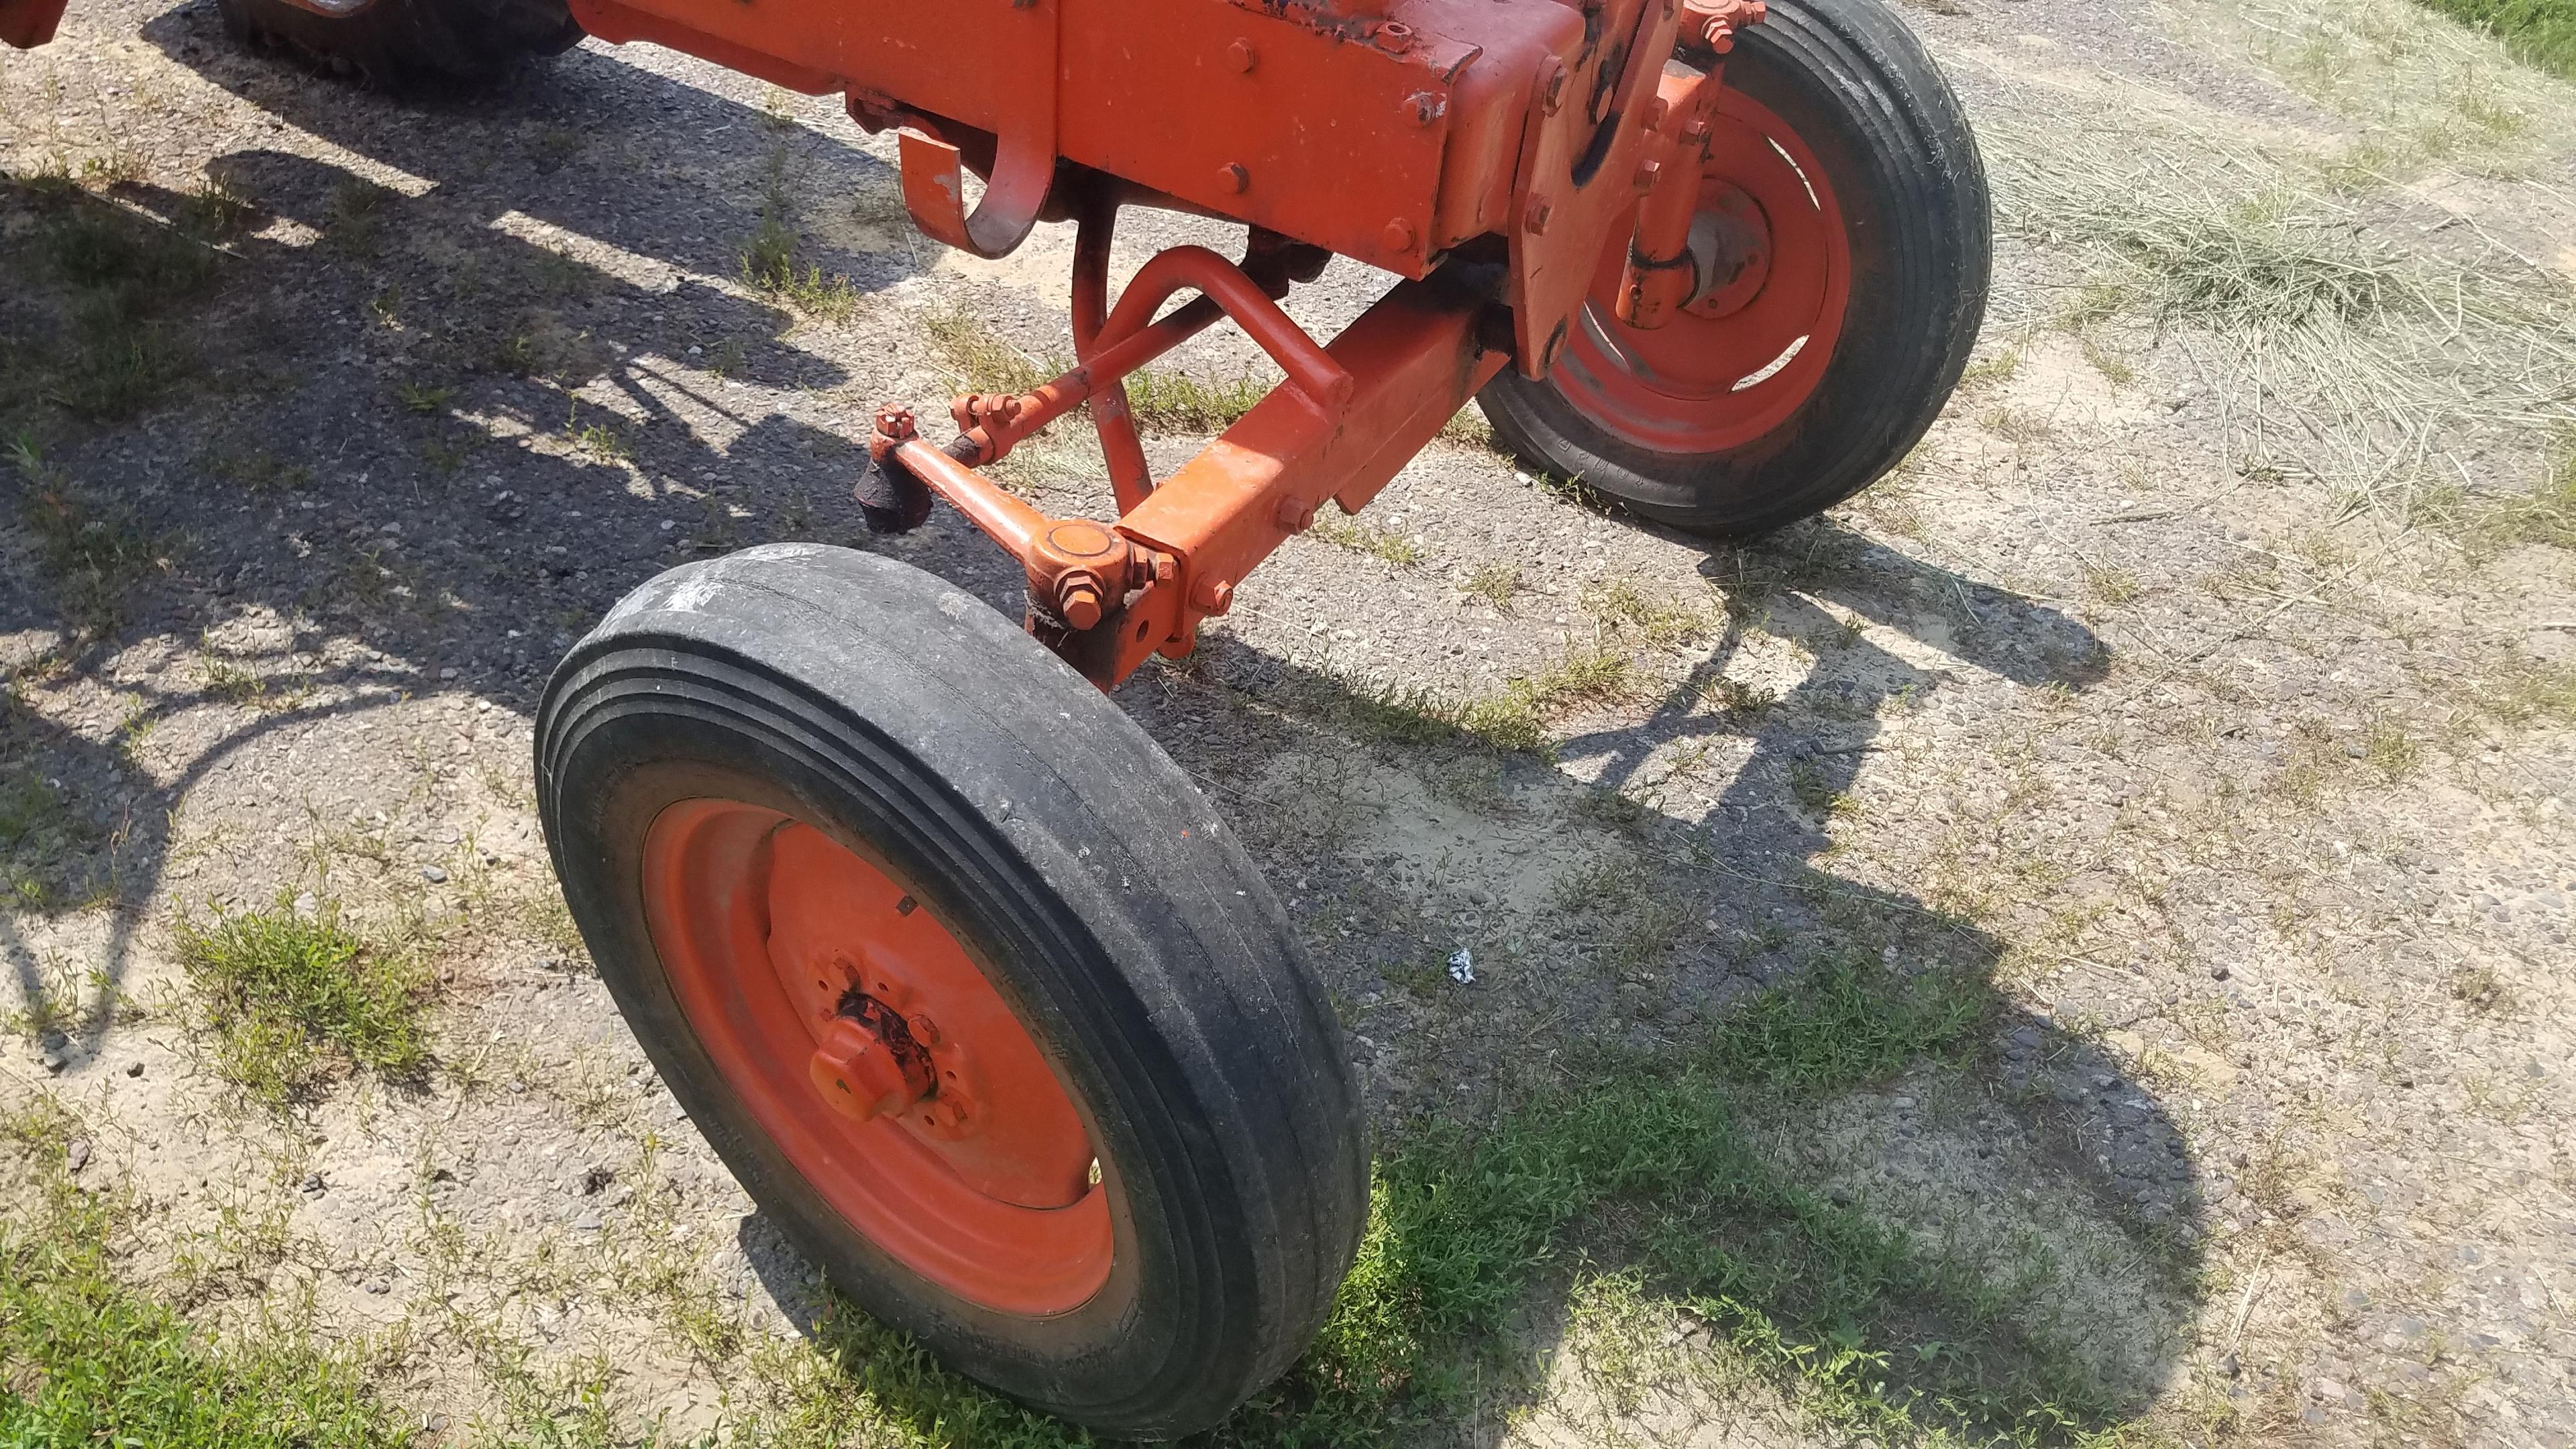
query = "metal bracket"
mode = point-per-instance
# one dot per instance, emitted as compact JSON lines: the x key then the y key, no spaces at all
{"x":1025,"y":43}
{"x":1590,"y":126}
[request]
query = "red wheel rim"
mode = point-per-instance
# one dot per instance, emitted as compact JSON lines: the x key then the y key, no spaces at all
{"x":1735,"y":365}
{"x":773,"y":936}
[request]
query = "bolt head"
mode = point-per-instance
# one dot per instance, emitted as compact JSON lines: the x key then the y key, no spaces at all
{"x":1242,"y":56}
{"x":1231,"y":178}
{"x":1552,"y":96}
{"x":1398,"y":235}
{"x":1534,"y":221}
{"x":1079,"y":601}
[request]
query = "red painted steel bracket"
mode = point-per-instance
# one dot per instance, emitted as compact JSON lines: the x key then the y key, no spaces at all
{"x":1589,"y":126}
{"x":1020,"y":49}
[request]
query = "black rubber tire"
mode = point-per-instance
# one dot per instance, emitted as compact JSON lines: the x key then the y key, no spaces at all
{"x":1859,"y":89}
{"x":1129,"y":932}
{"x":411,"y":45}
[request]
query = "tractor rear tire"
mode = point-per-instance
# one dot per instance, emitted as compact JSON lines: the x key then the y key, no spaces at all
{"x":411,"y":45}
{"x":1113,"y":1162}
{"x":1846,"y":164}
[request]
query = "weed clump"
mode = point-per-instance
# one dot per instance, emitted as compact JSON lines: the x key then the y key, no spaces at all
{"x":292,"y":1001}
{"x":1176,"y":402}
{"x":1368,"y":540}
{"x":96,"y":551}
{"x":89,"y":1360}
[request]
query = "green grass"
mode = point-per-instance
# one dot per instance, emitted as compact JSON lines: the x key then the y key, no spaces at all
{"x":1496,"y":582}
{"x":40,"y":838}
{"x":292,"y":1001}
{"x":1843,"y":1021}
{"x":1176,"y":402}
{"x":1368,"y":540}
{"x":1624,"y":1189}
{"x":980,"y":360}
{"x":86,"y":1359}
{"x":769,"y":257}
{"x":96,"y":552}
{"x":1512,"y":719}
{"x":1468,"y":1224}
{"x":2542,"y":32}
{"x":110,"y":288}
{"x":1472,"y":1231}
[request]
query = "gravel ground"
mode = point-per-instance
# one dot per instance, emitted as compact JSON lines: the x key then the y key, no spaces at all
{"x":2237,"y":778}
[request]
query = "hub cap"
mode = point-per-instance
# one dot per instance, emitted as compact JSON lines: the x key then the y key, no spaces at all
{"x":862,"y":1036}
{"x":1739,"y":360}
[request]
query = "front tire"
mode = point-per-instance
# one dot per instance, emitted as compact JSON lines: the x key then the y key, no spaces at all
{"x":805,"y":763}
{"x":1841,"y":151}
{"x":411,"y":44}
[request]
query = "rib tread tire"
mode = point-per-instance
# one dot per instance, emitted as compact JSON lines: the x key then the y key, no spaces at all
{"x":412,"y":45}
{"x":1865,"y":96}
{"x":1136,"y":940}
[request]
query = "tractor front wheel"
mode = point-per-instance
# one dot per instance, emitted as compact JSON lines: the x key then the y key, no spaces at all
{"x":409,"y":44}
{"x":1845,"y":195}
{"x":962,"y":978}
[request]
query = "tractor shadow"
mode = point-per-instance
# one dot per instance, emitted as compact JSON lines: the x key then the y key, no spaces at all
{"x":584,"y":143}
{"x":1719,"y":1138}
{"x":308,"y":397}
{"x":1711,"y":1111}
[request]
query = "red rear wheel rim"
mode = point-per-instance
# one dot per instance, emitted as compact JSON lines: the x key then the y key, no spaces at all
{"x":1727,"y":371}
{"x":988,"y":1185}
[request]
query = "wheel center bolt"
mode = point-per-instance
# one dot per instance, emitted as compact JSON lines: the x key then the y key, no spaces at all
{"x":857,"y":1073}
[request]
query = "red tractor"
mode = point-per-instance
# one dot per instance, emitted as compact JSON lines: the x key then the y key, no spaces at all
{"x":962,"y":976}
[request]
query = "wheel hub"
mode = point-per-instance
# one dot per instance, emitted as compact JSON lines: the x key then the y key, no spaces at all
{"x":1743,"y":356}
{"x":868,"y":1064}
{"x":861,"y":1032}
{"x":1730,"y":243}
